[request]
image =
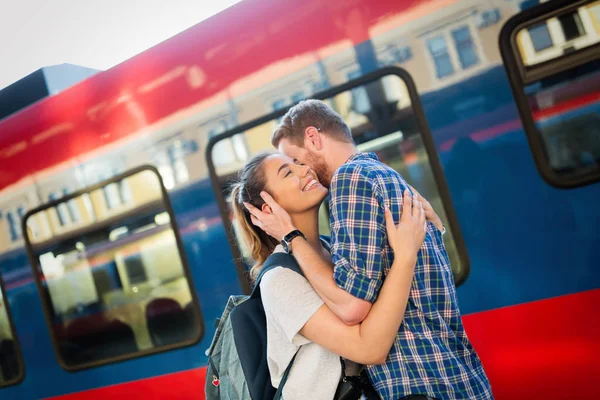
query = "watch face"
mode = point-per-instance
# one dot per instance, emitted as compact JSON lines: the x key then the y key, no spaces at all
{"x":285,"y":246}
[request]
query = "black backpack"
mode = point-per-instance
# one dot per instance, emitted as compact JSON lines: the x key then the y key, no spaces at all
{"x":237,"y":357}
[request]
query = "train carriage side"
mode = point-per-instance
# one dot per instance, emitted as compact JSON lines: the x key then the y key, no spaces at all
{"x":114,"y":218}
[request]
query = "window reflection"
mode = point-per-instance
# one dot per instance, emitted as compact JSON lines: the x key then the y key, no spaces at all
{"x":566,"y":112}
{"x":438,"y":48}
{"x":465,"y":47}
{"x":115,"y":284}
{"x":559,"y":35}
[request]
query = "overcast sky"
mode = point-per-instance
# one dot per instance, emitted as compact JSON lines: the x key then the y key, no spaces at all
{"x":93,"y":33}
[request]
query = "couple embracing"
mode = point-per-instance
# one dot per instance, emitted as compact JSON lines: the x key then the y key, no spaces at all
{"x":380,"y":292}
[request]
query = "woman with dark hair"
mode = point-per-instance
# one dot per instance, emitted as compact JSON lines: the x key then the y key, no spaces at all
{"x":298,"y":321}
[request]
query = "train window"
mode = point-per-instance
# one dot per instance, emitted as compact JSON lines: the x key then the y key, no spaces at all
{"x":552,"y":56}
{"x":11,"y":363}
{"x":388,"y":121}
{"x":116,"y":285}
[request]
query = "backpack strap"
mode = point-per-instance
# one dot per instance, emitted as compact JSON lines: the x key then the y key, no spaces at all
{"x":284,"y":379}
{"x":326,"y":242}
{"x":283,"y":260}
{"x":286,"y":261}
{"x":275,"y":260}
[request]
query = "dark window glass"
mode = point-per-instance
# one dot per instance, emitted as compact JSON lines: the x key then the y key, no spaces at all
{"x":11,"y":364}
{"x":566,"y":110}
{"x":571,"y":25}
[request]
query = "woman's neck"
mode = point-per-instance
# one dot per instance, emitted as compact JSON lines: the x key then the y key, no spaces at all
{"x":308,"y":224}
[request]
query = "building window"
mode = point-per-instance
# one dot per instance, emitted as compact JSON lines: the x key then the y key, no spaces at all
{"x":13,"y":226}
{"x":172,"y":164}
{"x":111,"y":196}
{"x":488,"y":17}
{"x":230,"y":150}
{"x":13,"y":222}
{"x":72,"y":207}
{"x":124,"y":192}
{"x":392,"y":54}
{"x":571,"y":25}
{"x":360,"y":98}
{"x":540,"y":37}
{"x":62,"y":210}
{"x":403,"y":54}
{"x":465,"y":47}
{"x":441,"y":57}
{"x":176,"y":154}
{"x":278,"y":105}
{"x":298,"y":97}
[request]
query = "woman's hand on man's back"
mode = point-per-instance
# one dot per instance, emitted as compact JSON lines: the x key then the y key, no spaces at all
{"x":407,"y":236}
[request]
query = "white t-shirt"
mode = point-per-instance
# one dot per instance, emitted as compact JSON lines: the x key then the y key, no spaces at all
{"x":289,"y":302}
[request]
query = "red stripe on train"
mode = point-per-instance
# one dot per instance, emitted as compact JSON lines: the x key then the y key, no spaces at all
{"x":546,"y":349}
{"x":185,"y":385}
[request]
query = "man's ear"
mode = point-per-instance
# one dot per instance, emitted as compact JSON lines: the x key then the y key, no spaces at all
{"x":266,"y":209}
{"x":313,"y":140}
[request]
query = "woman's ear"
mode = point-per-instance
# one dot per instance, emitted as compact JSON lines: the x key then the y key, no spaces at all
{"x":266,"y":209}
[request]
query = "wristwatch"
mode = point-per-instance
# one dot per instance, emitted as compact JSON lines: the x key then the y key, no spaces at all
{"x":286,"y":242}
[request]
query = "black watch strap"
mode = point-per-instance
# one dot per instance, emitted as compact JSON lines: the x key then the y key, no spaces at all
{"x":286,"y":242}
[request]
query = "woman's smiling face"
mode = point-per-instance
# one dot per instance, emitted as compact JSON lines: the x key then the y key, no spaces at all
{"x":295,"y":187}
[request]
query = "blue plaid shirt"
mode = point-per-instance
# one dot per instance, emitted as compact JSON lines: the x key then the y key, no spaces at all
{"x":431,"y":354}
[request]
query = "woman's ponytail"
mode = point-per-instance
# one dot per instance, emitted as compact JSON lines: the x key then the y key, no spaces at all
{"x":251,"y":181}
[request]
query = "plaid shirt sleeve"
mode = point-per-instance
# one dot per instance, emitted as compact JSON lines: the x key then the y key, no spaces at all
{"x":357,"y":232}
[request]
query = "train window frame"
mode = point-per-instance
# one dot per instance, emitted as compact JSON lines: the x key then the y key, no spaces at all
{"x":45,"y":298}
{"x":520,"y":75}
{"x":428,"y":142}
{"x":11,"y":325}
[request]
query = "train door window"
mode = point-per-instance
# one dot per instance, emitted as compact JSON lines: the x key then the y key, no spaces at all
{"x":116,"y":285}
{"x":556,"y":85}
{"x":11,"y":362}
{"x":390,"y":122}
